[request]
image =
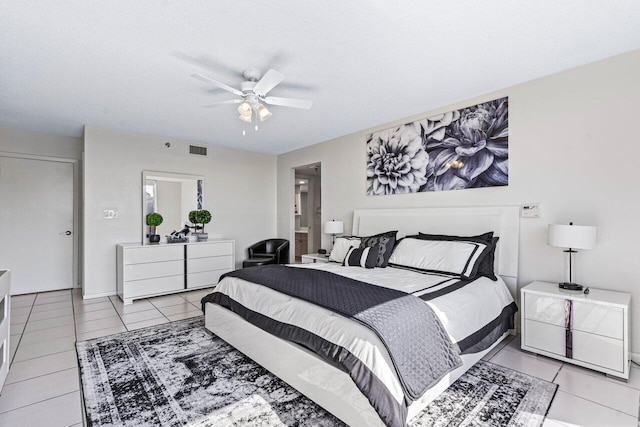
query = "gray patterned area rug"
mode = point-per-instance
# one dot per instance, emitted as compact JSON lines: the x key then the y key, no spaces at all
{"x":180,"y":374}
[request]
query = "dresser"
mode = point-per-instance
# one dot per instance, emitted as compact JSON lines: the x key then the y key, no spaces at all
{"x":589,"y":330}
{"x":150,"y":270}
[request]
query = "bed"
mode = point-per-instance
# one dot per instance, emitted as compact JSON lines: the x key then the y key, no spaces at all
{"x":329,"y":385}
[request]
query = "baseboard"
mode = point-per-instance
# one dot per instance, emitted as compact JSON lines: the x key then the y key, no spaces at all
{"x":635,"y":357}
{"x":103,"y":294}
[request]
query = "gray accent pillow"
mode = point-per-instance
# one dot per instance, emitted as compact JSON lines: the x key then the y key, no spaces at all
{"x":383,"y":244}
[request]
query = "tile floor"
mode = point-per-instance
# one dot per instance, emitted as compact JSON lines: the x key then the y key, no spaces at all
{"x":43,"y":386}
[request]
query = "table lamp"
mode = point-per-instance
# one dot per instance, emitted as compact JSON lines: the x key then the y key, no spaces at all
{"x":333,"y":227}
{"x":571,"y":237}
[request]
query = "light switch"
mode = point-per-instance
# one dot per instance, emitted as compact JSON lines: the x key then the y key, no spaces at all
{"x":110,"y":214}
{"x":530,"y":210}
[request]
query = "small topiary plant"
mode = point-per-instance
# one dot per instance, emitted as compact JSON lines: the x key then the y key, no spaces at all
{"x":200,"y":216}
{"x":154,"y":219}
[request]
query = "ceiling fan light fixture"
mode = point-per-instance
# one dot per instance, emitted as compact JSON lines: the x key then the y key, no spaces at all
{"x":263,"y":113}
{"x":244,"y":109}
{"x":245,"y":117}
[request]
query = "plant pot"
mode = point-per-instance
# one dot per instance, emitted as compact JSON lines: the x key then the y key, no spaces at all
{"x":202,"y":237}
{"x":154,"y":238}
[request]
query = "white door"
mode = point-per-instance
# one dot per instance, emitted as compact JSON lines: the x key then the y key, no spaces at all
{"x":36,"y":224}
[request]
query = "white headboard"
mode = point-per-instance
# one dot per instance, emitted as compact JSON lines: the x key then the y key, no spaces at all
{"x":504,"y":221}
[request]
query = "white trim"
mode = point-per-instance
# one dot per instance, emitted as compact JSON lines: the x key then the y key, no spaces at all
{"x":100,"y":295}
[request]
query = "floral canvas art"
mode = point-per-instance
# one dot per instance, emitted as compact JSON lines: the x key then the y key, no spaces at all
{"x":466,"y":148}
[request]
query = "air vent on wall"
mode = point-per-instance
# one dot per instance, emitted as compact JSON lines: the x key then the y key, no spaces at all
{"x":195,"y":149}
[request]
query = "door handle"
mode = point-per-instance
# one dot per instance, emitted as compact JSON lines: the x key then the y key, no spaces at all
{"x":68,"y":233}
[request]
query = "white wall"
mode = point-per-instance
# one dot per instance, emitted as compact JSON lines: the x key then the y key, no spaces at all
{"x":240,"y":192}
{"x":574,"y":147}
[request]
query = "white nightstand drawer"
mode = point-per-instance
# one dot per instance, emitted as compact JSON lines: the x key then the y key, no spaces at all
{"x":544,"y":309}
{"x":598,"y":350}
{"x":598,"y":319}
{"x":153,"y":269}
{"x":199,"y":265}
{"x":545,"y":337}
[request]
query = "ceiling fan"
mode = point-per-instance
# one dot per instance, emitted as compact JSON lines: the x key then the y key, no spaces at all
{"x":253,"y":94}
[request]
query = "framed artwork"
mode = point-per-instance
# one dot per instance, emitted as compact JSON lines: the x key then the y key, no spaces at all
{"x":466,"y":148}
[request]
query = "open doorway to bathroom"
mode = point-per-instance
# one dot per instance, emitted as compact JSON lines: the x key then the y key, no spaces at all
{"x":307,"y":209}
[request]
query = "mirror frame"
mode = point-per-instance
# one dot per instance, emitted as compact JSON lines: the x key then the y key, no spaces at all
{"x":147,"y":174}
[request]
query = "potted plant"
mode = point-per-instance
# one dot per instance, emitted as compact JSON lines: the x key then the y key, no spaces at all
{"x":200,"y":218}
{"x":153,"y":220}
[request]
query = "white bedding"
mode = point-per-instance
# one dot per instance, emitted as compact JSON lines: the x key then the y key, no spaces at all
{"x":461,"y":312}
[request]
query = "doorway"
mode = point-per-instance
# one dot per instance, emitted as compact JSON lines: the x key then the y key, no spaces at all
{"x":307,"y":209}
{"x":37,"y":223}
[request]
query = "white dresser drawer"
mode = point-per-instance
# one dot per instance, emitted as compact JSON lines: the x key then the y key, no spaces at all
{"x":545,"y":337}
{"x":544,"y":308}
{"x":196,"y":280}
{"x":199,"y":265}
{"x":157,"y":286}
{"x":154,"y":254}
{"x":152,"y":270}
{"x":209,"y":249}
{"x":598,"y":350}
{"x":598,"y":319}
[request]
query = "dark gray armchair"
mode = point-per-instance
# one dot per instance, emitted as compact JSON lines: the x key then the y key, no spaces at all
{"x":269,"y":251}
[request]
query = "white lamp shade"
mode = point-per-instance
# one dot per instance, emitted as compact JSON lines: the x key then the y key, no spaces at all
{"x":571,"y":236}
{"x":333,"y":227}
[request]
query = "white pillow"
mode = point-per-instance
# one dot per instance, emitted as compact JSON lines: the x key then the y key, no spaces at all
{"x":439,"y":256}
{"x":342,"y":246}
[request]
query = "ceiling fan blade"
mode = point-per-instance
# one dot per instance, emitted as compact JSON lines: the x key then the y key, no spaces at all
{"x":216,"y":83}
{"x":305,"y":104}
{"x":270,"y":80}
{"x":229,"y":101}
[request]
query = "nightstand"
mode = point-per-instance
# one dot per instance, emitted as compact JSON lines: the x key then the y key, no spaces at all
{"x":311,"y":258}
{"x":589,"y":330}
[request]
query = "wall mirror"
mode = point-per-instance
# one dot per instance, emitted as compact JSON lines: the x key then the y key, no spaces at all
{"x":173,"y":196}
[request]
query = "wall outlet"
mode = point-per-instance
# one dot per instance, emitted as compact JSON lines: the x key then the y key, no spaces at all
{"x":530,"y":210}
{"x":109,"y":214}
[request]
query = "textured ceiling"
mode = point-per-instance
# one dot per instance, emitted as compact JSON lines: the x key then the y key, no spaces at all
{"x":127,"y":64}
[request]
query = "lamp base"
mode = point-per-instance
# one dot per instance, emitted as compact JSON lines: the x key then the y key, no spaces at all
{"x":570,"y":286}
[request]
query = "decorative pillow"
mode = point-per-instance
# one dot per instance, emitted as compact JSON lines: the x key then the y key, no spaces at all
{"x":487,"y":262}
{"x":342,"y":246}
{"x":383,"y":244}
{"x":460,"y":258}
{"x":361,"y":257}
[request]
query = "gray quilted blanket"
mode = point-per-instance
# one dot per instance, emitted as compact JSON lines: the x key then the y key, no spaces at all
{"x":418,"y":344}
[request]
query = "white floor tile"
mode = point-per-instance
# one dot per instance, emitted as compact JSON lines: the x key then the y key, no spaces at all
{"x":38,"y":325}
{"x":94,"y":325}
{"x":166,"y":300}
{"x":19,"y":318}
{"x":48,"y":299}
{"x":51,"y":306}
{"x":197,"y":295}
{"x":39,"y":366}
{"x":16,"y":328}
{"x":31,"y":351}
{"x":575,"y":411}
{"x":22,"y":300}
{"x":13,"y":347}
{"x":48,"y":334}
{"x":177,"y":309}
{"x":141,"y":316}
{"x":83,"y":308}
{"x":101,"y":333}
{"x":140,"y":305}
{"x":95,"y":315}
{"x":146,"y":323}
{"x":497,"y":348}
{"x":531,"y":365}
{"x":15,"y":311}
{"x":62,"y":411}
{"x":634,"y":378}
{"x":595,"y":389}
{"x":78,"y":300}
{"x":37,"y":389}
{"x":186,"y":315}
{"x":50,"y":294}
{"x":50,"y":314}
